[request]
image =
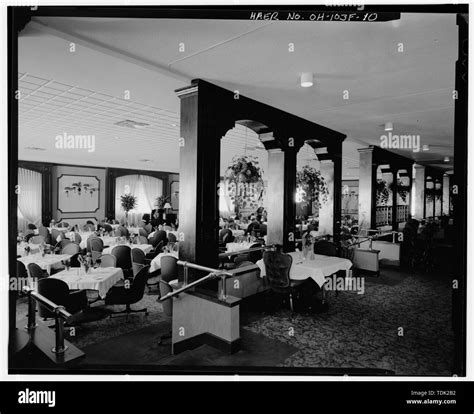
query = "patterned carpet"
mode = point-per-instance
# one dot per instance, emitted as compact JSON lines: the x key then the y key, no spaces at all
{"x":359,"y":331}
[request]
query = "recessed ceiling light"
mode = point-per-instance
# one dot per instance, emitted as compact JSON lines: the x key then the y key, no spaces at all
{"x":306,"y":79}
{"x":388,"y":126}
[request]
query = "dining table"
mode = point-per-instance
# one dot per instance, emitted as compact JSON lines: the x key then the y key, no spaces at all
{"x":46,"y":262}
{"x":100,"y":279}
{"x":20,"y":249}
{"x":146,"y":248}
{"x":317,"y":268}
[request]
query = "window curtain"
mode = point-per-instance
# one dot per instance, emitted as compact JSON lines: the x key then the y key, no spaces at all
{"x":226,"y":205}
{"x":145,"y":188}
{"x":29,"y":198}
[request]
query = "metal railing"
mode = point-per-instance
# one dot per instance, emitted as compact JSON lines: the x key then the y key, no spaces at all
{"x":239,"y":252}
{"x":60,"y":315}
{"x":213,"y":273}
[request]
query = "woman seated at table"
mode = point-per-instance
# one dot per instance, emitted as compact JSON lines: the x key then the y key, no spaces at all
{"x":104,"y":225}
{"x":146,"y":223}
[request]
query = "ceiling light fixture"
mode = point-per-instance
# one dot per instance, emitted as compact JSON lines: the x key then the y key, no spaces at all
{"x":306,"y":79}
{"x":426,"y":147}
{"x":388,"y":126}
{"x":446,"y":159}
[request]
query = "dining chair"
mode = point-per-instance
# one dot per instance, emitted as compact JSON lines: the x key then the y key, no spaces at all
{"x":64,"y":242}
{"x":99,"y":241}
{"x":257,"y":255}
{"x":57,"y":291}
{"x":124,"y":259}
{"x":71,"y":248}
{"x":37,"y":240}
{"x":56,"y":236}
{"x":76,"y":238}
{"x":142,"y":240}
{"x":143,"y":232}
{"x":97,"y":246}
{"x":88,"y":227}
{"x":128,"y":295}
{"x":36,"y":272}
{"x":108,"y":260}
{"x":167,"y":304}
{"x":43,"y":231}
{"x":325,"y":248}
{"x":277,"y":266}
{"x":169,"y":268}
{"x":138,"y":260}
{"x":172,"y":238}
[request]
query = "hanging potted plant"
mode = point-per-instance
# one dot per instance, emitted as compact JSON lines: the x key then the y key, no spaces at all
{"x":402,"y":190}
{"x":246,"y":183}
{"x":128,"y":202}
{"x":382,"y":193}
{"x":312,"y":186}
{"x":433,"y":193}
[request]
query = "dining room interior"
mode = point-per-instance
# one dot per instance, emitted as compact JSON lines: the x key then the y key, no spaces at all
{"x":235,"y":194}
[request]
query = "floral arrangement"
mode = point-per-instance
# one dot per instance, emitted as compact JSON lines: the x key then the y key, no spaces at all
{"x":128,"y":202}
{"x":312,"y":183}
{"x":161,"y":201}
{"x":245,"y":176}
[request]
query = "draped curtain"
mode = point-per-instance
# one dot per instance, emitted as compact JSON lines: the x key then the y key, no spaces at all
{"x":226,"y":205}
{"x":145,"y":188}
{"x":29,"y":198}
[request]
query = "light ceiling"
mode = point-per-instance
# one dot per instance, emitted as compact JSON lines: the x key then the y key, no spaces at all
{"x":413,"y":87}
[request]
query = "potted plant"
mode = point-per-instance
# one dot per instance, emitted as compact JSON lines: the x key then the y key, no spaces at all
{"x":161,"y":201}
{"x":246,"y":183}
{"x":128,"y":202}
{"x":402,"y":190}
{"x":312,"y":185}
{"x":382,"y":193}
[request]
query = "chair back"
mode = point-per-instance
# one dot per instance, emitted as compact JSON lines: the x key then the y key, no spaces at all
{"x":88,"y":227}
{"x":172,"y":238}
{"x":55,"y":233}
{"x":76,"y":238}
{"x":138,"y":260}
{"x":159,"y":236}
{"x":166,"y":288}
{"x":148,"y":228}
{"x":223,"y":234}
{"x":123,"y":256}
{"x":228,"y":237}
{"x":325,"y":247}
{"x":21,"y":271}
{"x":255,"y":256}
{"x":137,"y":289}
{"x":37,"y":240}
{"x":35,"y":271}
{"x":43,"y":231}
{"x":64,"y":243}
{"x":97,"y":245}
{"x":142,"y":240}
{"x":56,"y":291}
{"x":169,"y":268}
{"x":142,"y":232}
{"x":89,"y":241}
{"x":71,"y":248}
{"x":277,"y":266}
{"x":108,"y":260}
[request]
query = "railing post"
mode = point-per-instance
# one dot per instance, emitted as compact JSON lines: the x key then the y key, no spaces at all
{"x":223,"y":292}
{"x":185,"y":281}
{"x":60,"y":347}
{"x":31,"y":312}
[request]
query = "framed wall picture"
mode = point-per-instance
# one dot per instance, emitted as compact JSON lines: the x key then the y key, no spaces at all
{"x":78,"y":193}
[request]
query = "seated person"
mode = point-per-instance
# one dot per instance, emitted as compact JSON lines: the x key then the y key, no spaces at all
{"x":254,"y":226}
{"x":225,"y":231}
{"x":104,"y":225}
{"x":30,"y":232}
{"x":146,"y":223}
{"x":122,"y":231}
{"x":156,"y":219}
{"x":158,"y":236}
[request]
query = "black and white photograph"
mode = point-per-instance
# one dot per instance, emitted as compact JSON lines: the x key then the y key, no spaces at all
{"x":238,"y":189}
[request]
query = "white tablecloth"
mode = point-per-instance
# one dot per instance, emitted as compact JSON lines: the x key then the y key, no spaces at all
{"x":147,"y":248}
{"x":20,"y":249}
{"x":235,"y":247}
{"x":237,"y":233}
{"x":317,"y":269}
{"x":156,"y":262}
{"x":46,"y":262}
{"x":100,"y":279}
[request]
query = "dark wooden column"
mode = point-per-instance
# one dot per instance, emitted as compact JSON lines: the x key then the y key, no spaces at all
{"x":367,"y":182}
{"x":460,"y":196}
{"x":199,"y":176}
